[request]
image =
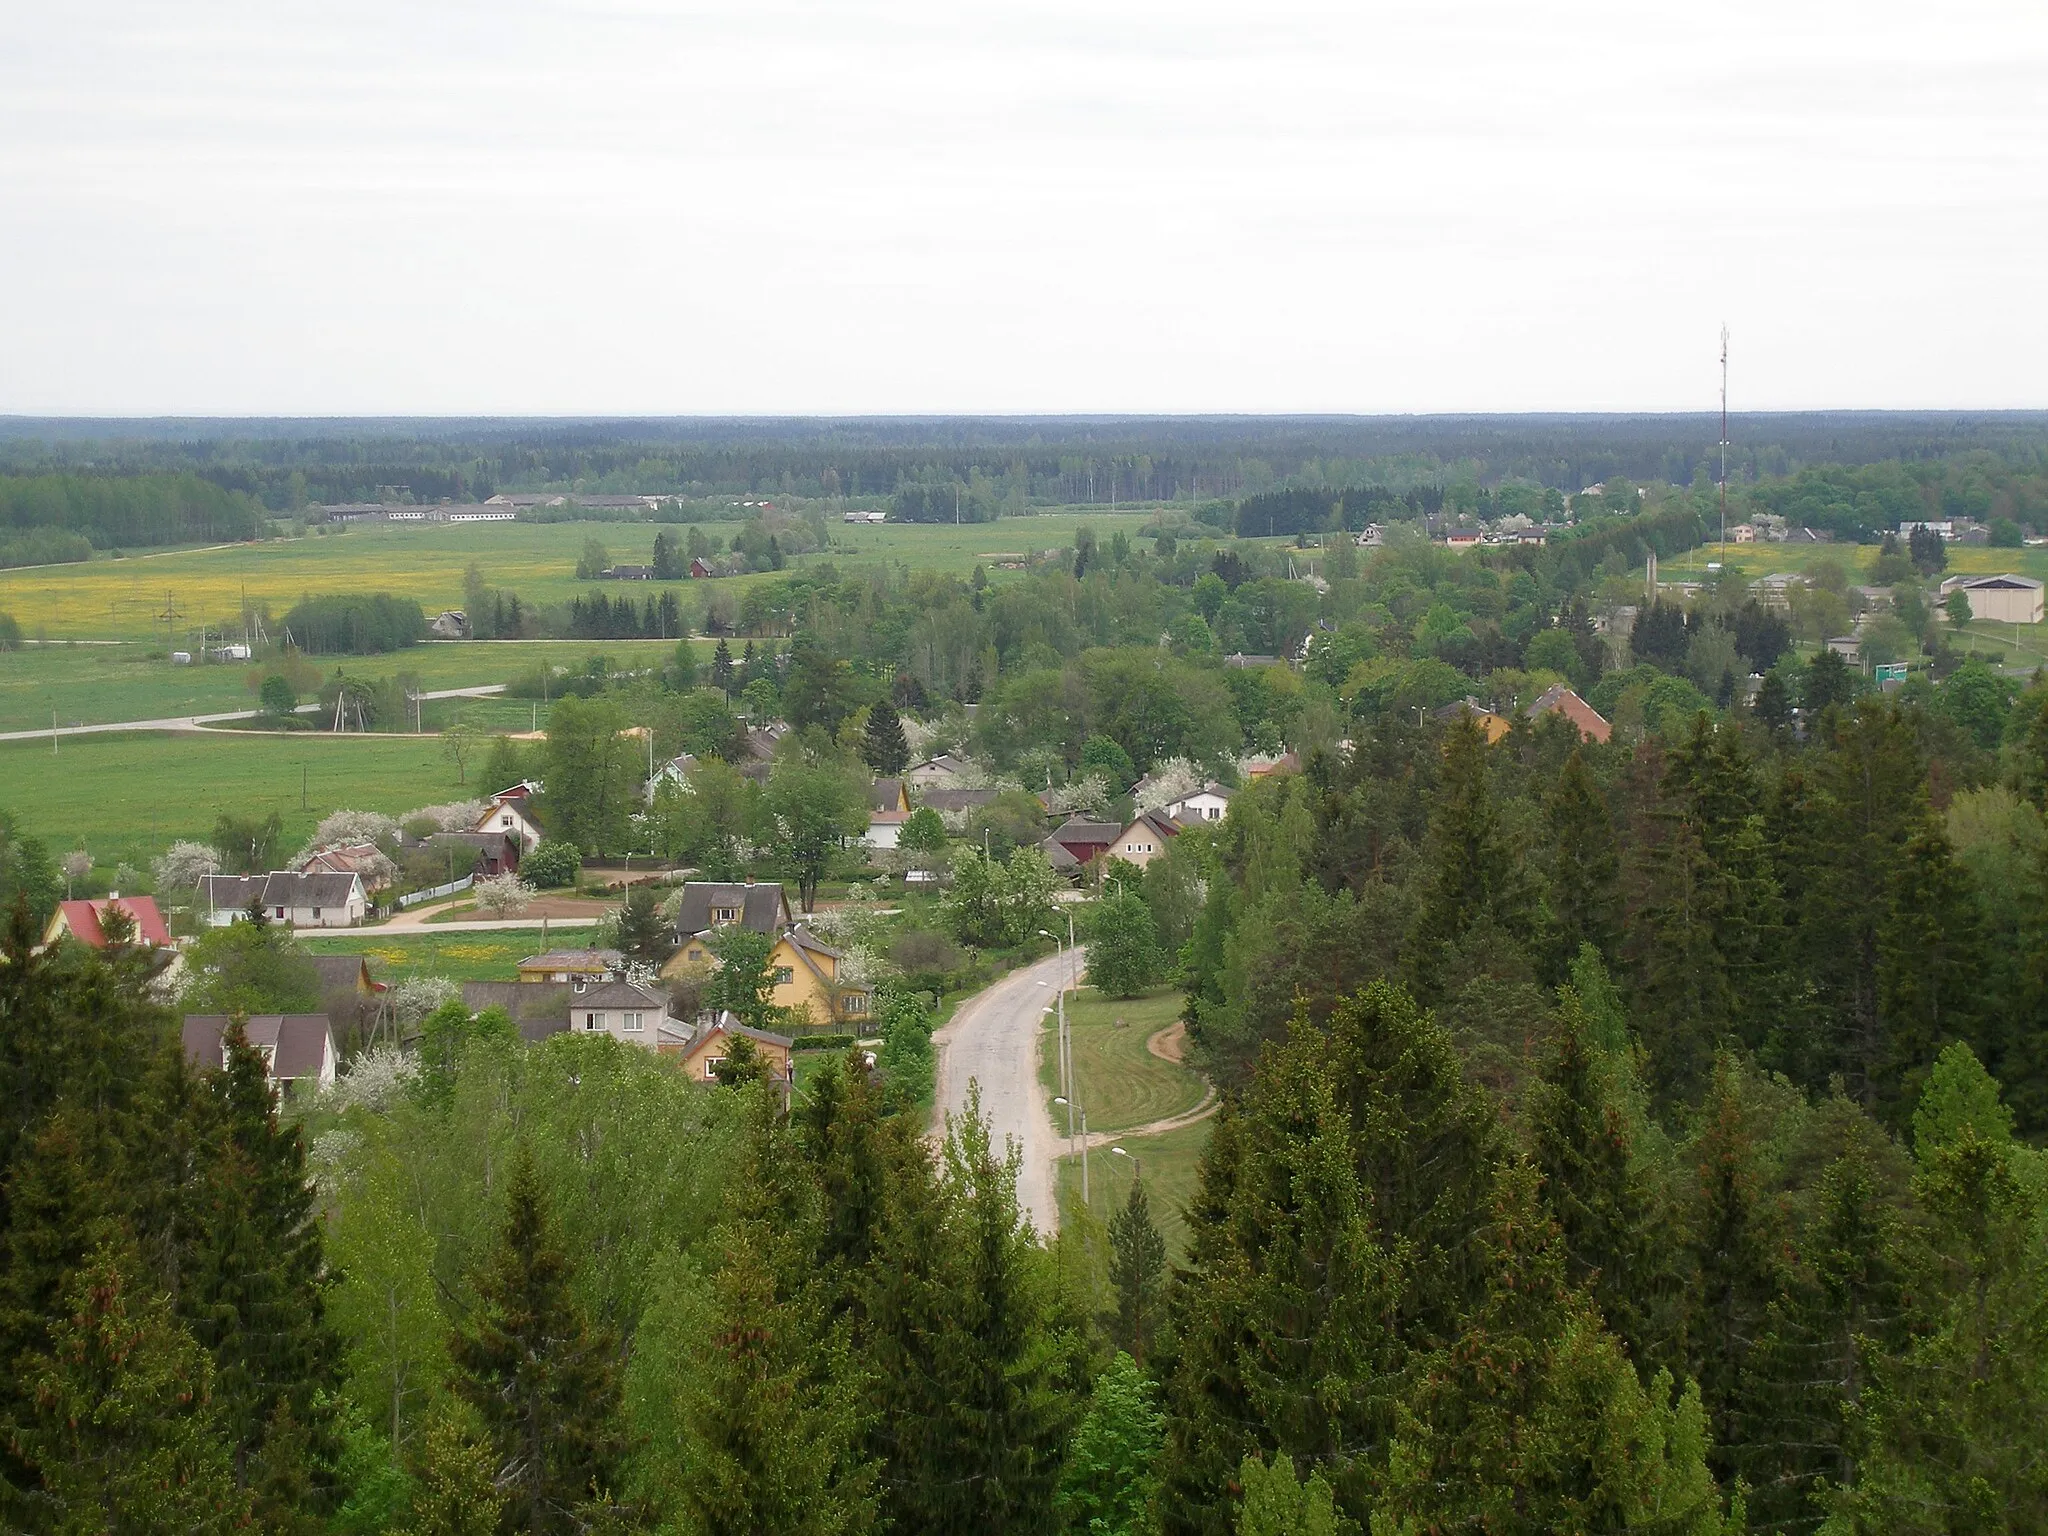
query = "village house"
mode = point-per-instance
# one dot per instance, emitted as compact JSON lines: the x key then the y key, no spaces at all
{"x":579,"y":969}
{"x":349,"y":995}
{"x":495,"y":852}
{"x":1209,"y":803}
{"x":1145,"y":838}
{"x":450,"y":624}
{"x":806,"y":974}
{"x":1560,"y":700}
{"x":315,"y":900}
{"x":538,"y":1008}
{"x":699,"y":570}
{"x":364,"y":859}
{"x":1079,"y":841}
{"x":888,"y":809}
{"x":629,"y":1013}
{"x":1492,"y":726}
{"x":708,"y":905}
{"x":295,"y":1047}
{"x":514,"y":816}
{"x":945,"y":769}
{"x":950,"y":802}
{"x":87,"y":922}
{"x":706,"y":1048}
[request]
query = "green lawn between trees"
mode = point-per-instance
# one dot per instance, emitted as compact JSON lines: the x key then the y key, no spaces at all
{"x":1122,"y":1083}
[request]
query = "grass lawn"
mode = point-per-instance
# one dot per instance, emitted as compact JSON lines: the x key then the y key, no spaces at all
{"x":457,"y":956}
{"x":1170,"y":1164}
{"x":130,"y":796}
{"x":121,"y":599}
{"x":1121,"y":1082}
{"x":102,"y":684}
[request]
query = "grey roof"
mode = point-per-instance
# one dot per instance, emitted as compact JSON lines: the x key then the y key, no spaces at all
{"x":298,"y":1041}
{"x":956,"y":799}
{"x":339,"y":971}
{"x":1078,"y":829}
{"x":539,"y":1009}
{"x":231,"y":892}
{"x":280,"y":888}
{"x":732,"y":1026}
{"x":619,"y":994}
{"x":762,"y":907}
{"x":803,"y":938}
{"x":497,"y":837}
{"x":1057,"y":854}
{"x":574,"y":960}
{"x":885,"y":794}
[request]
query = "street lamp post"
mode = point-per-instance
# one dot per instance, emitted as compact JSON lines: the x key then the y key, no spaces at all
{"x":1137,"y":1163}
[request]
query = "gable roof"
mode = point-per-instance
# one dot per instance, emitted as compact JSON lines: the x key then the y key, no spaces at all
{"x":81,"y":920}
{"x":1078,"y":833}
{"x":885,"y":795}
{"x":574,"y":960}
{"x":620,"y":994}
{"x":1558,"y":699}
{"x":337,"y":972}
{"x":299,"y":1044}
{"x":1156,"y":822}
{"x":2000,"y":583}
{"x":289,"y":888}
{"x":728,"y":1024}
{"x":956,"y":799}
{"x":539,"y":1009}
{"x":762,"y":906}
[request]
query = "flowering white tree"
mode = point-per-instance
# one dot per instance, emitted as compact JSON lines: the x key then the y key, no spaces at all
{"x":1086,"y":796}
{"x":340,"y":827}
{"x":413,"y":999}
{"x":183,"y":865}
{"x":503,"y":895}
{"x":374,"y":1079}
{"x":1168,"y":781}
{"x":76,"y":866}
{"x":456,"y":816}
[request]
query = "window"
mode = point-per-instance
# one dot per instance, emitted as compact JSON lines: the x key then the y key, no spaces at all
{"x":580,"y":983}
{"x":726,"y":915}
{"x":280,"y":912}
{"x":316,"y":914}
{"x":593,"y":1021}
{"x":635,"y":1022}
{"x":711,"y":1066}
{"x":784,"y":975}
{"x":856,"y":1003}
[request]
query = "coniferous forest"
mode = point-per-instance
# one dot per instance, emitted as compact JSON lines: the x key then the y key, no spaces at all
{"x":1616,"y":1137}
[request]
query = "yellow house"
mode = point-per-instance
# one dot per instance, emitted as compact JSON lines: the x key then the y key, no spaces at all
{"x":806,"y":972}
{"x":709,"y":1044}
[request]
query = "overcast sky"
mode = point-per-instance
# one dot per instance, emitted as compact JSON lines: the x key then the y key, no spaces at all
{"x":757,"y":206}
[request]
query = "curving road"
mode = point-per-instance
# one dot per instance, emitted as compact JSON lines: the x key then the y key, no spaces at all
{"x":993,"y":1040}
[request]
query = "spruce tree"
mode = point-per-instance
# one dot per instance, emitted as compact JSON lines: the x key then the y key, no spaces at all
{"x":539,"y":1375}
{"x":1930,"y":968}
{"x":1532,"y":1419}
{"x":455,"y":1491}
{"x":722,"y":675}
{"x":884,"y":747}
{"x":120,"y":1423}
{"x":1332,"y":1250}
{"x":254,"y":1292}
{"x":1107,"y":1483}
{"x":1472,"y":874}
{"x":1616,"y":1238}
{"x":1137,"y":1273}
{"x":1583,"y":891}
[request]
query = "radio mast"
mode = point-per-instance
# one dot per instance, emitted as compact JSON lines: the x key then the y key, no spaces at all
{"x":1724,"y":437}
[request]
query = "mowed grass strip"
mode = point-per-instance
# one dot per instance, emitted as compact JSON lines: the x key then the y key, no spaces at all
{"x":125,"y":599}
{"x":130,"y":795}
{"x":1171,"y":1168}
{"x":492,"y":956}
{"x":1121,"y":1082}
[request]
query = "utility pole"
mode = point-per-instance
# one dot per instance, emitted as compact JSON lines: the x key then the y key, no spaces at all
{"x":1724,"y":438}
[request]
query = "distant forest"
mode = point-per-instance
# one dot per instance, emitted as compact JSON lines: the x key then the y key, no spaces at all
{"x":1000,"y":464}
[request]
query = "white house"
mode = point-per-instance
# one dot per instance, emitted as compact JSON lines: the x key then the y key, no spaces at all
{"x":313,"y":899}
{"x":295,"y":1047}
{"x":513,"y":817}
{"x":623,"y":1010}
{"x":1209,"y":803}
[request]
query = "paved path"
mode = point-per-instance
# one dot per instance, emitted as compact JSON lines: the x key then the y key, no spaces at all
{"x":200,"y":722}
{"x":993,"y":1040}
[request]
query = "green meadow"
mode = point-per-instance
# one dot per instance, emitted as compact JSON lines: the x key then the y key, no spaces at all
{"x":126,"y":598}
{"x":486,"y":956}
{"x":127,"y":796}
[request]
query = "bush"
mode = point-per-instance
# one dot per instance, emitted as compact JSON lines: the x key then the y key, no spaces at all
{"x":553,"y":862}
{"x":503,"y":895}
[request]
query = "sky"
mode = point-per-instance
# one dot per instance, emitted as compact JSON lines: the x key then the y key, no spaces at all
{"x":769,"y":207}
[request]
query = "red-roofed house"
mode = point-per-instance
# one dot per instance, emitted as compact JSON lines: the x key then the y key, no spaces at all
{"x":81,"y":920}
{"x":1560,"y":700}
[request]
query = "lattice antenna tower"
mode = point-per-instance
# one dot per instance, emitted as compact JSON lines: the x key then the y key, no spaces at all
{"x":1724,"y":433}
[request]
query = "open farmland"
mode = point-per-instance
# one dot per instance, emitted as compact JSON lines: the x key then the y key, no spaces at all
{"x":128,"y":796}
{"x":124,"y":599}
{"x":103,"y":684}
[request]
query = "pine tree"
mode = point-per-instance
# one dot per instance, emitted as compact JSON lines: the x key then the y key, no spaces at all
{"x":1137,"y":1272}
{"x":254,"y":1292}
{"x":121,"y":1426}
{"x":1585,"y":868}
{"x":540,"y":1376}
{"x":643,"y":934}
{"x":722,"y":669}
{"x":884,"y":747}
